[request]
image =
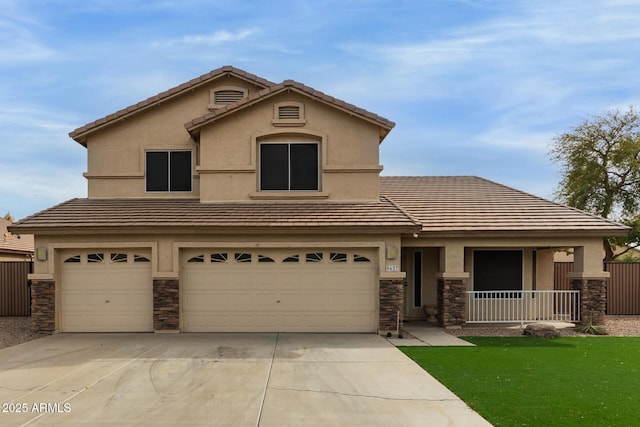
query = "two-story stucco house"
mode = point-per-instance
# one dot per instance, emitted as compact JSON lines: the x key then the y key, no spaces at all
{"x":232,"y":203}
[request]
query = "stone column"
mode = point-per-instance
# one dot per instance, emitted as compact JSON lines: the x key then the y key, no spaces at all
{"x":593,"y":299}
{"x":452,"y":302}
{"x":391,"y":303}
{"x":589,"y":278}
{"x":166,"y":305}
{"x":43,"y":305}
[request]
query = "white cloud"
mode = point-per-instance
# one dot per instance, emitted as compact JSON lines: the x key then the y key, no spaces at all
{"x":204,"y":40}
{"x":19,"y":45}
{"x":218,"y":37}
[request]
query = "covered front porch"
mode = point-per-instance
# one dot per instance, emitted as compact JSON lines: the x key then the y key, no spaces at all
{"x":453,"y":282}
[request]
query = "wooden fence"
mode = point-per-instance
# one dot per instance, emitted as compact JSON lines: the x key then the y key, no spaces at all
{"x":623,"y":287}
{"x":15,"y":295}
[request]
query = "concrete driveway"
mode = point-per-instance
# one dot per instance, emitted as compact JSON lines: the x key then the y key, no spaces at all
{"x":221,"y":380}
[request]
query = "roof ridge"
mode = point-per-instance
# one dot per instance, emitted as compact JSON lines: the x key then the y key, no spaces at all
{"x":403,"y":210}
{"x":78,"y":133}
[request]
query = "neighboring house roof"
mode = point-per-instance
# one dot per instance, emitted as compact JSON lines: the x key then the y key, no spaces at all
{"x":471,"y":204}
{"x":289,"y":85}
{"x":10,"y":243}
{"x":81,"y":133}
{"x":123,"y":213}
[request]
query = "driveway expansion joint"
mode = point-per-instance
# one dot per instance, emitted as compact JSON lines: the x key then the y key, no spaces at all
{"x":363,"y":395}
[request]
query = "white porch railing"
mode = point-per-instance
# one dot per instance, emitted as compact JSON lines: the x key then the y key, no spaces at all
{"x":522,"y":306}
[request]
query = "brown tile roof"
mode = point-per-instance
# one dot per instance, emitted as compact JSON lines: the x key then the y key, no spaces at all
{"x":80,"y":134}
{"x":471,"y":204}
{"x":10,"y":243}
{"x":121,"y":213}
{"x":194,"y":125}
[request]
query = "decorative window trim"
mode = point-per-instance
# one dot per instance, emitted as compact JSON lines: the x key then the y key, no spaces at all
{"x":314,"y":257}
{"x":118,"y":257}
{"x":242,"y":257}
{"x":242,"y":93}
{"x":283,"y":114}
{"x":73,"y":259}
{"x":338,"y":256}
{"x":217,"y":257}
{"x":140,"y":258}
{"x":95,"y":258}
{"x":292,"y":258}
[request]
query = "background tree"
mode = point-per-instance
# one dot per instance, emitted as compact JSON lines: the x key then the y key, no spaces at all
{"x":8,"y":217}
{"x":600,"y":163}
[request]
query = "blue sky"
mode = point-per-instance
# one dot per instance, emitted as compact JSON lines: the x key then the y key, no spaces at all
{"x":476,"y":87}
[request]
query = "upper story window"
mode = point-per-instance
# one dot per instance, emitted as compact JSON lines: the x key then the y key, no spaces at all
{"x":289,"y":166}
{"x":225,"y":95}
{"x":168,"y":170}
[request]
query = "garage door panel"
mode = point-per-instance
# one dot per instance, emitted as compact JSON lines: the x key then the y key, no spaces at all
{"x":324,"y":296}
{"x":106,"y":296}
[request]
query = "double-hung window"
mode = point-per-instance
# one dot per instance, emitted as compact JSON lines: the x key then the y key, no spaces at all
{"x":168,"y":171}
{"x":289,"y":166}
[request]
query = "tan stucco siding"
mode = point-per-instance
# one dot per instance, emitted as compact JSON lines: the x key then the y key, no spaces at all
{"x":229,"y":155}
{"x":116,"y":152}
{"x":165,"y":248}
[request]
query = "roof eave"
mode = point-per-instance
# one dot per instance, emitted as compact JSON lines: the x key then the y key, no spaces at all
{"x":526,"y":233}
{"x":222,"y":229}
{"x":80,"y":136}
{"x":194,"y":126}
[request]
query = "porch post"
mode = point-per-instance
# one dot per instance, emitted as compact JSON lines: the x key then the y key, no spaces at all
{"x":452,"y":287}
{"x":589,"y":278}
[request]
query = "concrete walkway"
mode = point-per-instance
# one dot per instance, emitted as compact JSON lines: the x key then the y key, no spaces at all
{"x":424,"y":334}
{"x":221,"y":380}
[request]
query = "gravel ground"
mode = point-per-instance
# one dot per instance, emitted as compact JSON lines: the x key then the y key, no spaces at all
{"x":619,"y":326}
{"x":16,"y":330}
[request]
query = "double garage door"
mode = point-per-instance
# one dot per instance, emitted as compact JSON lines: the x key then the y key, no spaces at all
{"x":224,"y":290}
{"x":274,"y":290}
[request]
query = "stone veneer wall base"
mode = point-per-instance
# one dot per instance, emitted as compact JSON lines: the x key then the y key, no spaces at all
{"x":593,"y":300}
{"x":391,"y":304}
{"x":452,"y":301}
{"x":43,"y":306}
{"x":166,"y":305}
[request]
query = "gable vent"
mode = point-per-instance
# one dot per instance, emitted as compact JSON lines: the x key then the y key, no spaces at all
{"x":289,"y":112}
{"x":223,"y":97}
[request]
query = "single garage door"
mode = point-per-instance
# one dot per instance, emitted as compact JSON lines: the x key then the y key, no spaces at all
{"x":106,"y":291}
{"x":279,"y":290}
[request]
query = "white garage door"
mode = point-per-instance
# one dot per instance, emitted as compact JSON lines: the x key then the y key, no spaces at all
{"x":106,"y":291}
{"x":279,"y":290}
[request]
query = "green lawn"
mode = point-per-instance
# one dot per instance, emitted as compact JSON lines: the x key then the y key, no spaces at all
{"x":525,"y":381}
